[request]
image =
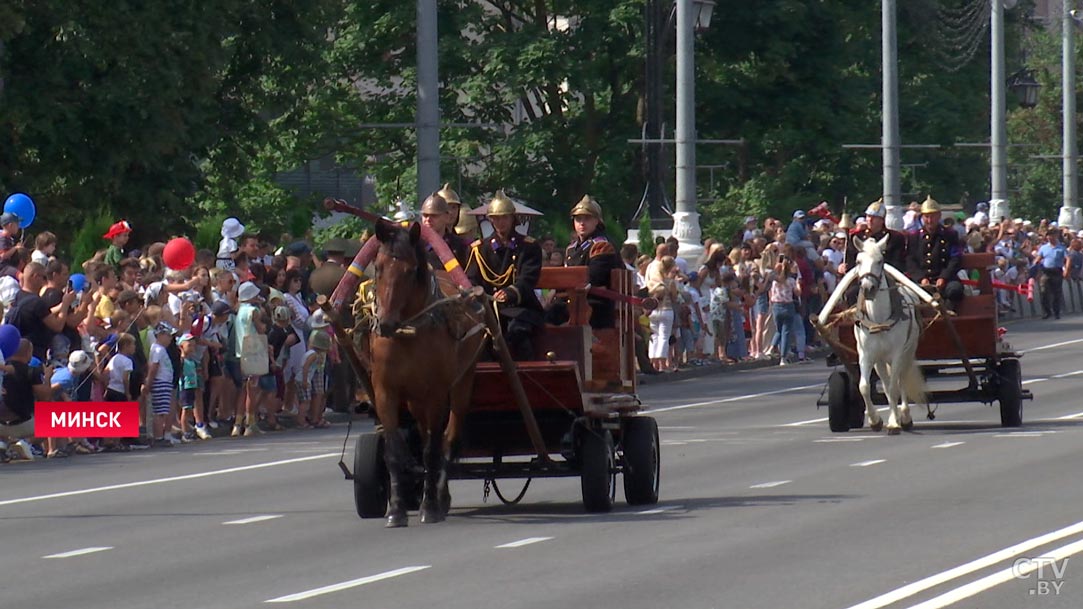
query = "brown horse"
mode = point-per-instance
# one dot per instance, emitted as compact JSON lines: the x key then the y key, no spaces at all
{"x":423,"y":353}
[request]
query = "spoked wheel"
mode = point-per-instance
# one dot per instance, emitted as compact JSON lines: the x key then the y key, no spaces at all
{"x":838,"y":401}
{"x":597,"y":463}
{"x":642,"y":460}
{"x":1011,"y":393}
{"x":370,"y":477}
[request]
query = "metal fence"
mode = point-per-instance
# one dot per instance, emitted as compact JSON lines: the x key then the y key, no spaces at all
{"x":1022,"y":307}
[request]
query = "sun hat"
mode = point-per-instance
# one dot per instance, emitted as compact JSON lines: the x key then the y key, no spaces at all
{"x":232,"y":228}
{"x":320,"y":341}
{"x":281,"y":314}
{"x":318,"y":320}
{"x":248,"y":292}
{"x":79,"y":362}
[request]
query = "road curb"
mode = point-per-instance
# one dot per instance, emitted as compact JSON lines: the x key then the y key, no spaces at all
{"x":718,"y":368}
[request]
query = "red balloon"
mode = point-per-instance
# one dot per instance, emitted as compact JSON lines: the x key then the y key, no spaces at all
{"x":179,"y":254}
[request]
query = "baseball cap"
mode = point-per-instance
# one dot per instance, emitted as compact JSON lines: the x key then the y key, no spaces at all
{"x":164,"y":327}
{"x":220,"y":308}
{"x":799,"y":214}
{"x":8,"y":217}
{"x":185,"y":338}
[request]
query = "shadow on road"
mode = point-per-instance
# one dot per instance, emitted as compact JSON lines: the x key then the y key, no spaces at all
{"x":671,"y":509}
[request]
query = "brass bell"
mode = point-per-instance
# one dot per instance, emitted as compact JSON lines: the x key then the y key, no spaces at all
{"x":847,"y":222}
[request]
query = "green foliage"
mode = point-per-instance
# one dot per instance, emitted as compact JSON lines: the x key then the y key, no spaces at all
{"x":208,"y":232}
{"x":87,"y":241}
{"x":646,"y":236}
{"x":349,"y":228}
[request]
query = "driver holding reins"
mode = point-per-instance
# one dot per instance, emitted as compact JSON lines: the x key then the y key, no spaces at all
{"x":508,"y":266}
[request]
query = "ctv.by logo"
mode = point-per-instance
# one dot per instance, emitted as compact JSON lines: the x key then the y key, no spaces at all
{"x":1050,"y":574}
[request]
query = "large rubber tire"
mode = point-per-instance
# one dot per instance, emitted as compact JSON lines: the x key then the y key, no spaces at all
{"x":838,"y":401}
{"x":597,"y":465}
{"x":857,"y":403}
{"x":370,"y":478}
{"x":1011,"y":393}
{"x":642,"y":460}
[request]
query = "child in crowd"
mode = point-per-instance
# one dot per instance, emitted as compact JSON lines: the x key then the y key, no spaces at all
{"x":118,"y":236}
{"x":160,"y":378}
{"x":311,"y":394}
{"x":44,"y":248}
{"x":190,"y":389}
{"x":282,"y":337}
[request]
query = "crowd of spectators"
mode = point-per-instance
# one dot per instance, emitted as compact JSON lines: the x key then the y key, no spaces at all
{"x":234,"y":342}
{"x":750,"y":297}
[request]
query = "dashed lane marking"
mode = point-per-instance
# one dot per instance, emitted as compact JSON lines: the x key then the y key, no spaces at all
{"x":114,"y":487}
{"x":1068,"y":417}
{"x":1023,"y":434}
{"x":79,"y":552}
{"x":771,"y":484}
{"x":522,"y":542}
{"x":948,"y":444}
{"x":1067,"y":342}
{"x":868,"y":463}
{"x":738,"y":398}
{"x":821,"y":420}
{"x":254,"y":519}
{"x":353,"y":583}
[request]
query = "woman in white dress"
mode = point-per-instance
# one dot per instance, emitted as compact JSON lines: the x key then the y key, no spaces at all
{"x":708,"y":277}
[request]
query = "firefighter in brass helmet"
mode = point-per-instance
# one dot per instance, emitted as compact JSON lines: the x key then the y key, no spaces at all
{"x":435,"y":214}
{"x":876,"y":228}
{"x":461,"y":223}
{"x":508,"y":266}
{"x":592,"y":249}
{"x":934,"y":254}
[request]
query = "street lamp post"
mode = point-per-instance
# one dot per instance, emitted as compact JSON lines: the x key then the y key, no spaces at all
{"x":890,"y":118}
{"x":998,"y":200}
{"x":1069,"y":212}
{"x":428,"y":101}
{"x":691,"y":15}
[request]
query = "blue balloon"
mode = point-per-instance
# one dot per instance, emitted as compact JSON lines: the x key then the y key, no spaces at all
{"x":78,"y":282}
{"x":9,"y":340}
{"x":23,"y":206}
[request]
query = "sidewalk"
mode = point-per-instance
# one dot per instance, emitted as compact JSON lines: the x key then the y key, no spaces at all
{"x":713,"y":368}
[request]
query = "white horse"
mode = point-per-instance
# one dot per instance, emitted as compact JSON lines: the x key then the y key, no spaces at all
{"x":887,"y":335}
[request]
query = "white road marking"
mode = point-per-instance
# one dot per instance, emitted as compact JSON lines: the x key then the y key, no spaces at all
{"x":254,"y":519}
{"x":948,"y":444}
{"x":1067,"y":374}
{"x":836,"y":440}
{"x":868,"y":463}
{"x":114,"y":487}
{"x":672,"y":443}
{"x":771,"y":484}
{"x":523,"y":542}
{"x":1067,"y":342}
{"x":1023,"y":434}
{"x":739,"y":398}
{"x":975,"y":565}
{"x":1068,"y":417}
{"x":353,"y":583}
{"x":1016,"y":571}
{"x":79,"y":552}
{"x":1032,"y":381}
{"x":658,"y":510}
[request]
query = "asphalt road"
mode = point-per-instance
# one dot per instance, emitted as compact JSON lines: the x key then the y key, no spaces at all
{"x":761,"y":506}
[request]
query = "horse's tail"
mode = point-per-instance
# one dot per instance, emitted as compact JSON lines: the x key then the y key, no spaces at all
{"x":913,"y":384}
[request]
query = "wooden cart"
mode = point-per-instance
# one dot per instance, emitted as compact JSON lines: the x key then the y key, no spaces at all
{"x":965,"y":345}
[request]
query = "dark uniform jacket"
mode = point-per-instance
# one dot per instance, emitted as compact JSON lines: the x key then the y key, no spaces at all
{"x":934,"y":256}
{"x":457,"y":246}
{"x":896,"y":247}
{"x":600,"y":257}
{"x":489,"y":259}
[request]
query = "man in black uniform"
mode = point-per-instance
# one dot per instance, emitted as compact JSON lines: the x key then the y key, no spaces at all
{"x":876,"y":228}
{"x":593,"y":250}
{"x":933,"y":255}
{"x":435,"y":214}
{"x":508,"y":266}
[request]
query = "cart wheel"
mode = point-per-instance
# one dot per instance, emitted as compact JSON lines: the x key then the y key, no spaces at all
{"x":642,"y":460}
{"x":596,"y":476}
{"x":370,"y":478}
{"x":838,"y":402}
{"x":1011,"y":393}
{"x":857,"y":404}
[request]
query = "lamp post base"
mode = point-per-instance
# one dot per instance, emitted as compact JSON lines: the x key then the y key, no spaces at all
{"x":1070,"y":217}
{"x":998,"y":208}
{"x":687,"y":231}
{"x":894,"y":217}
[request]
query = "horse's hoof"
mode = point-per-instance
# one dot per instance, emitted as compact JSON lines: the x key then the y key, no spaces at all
{"x":908,"y":426}
{"x":893,"y":431}
{"x":877,"y":426}
{"x":396,"y":521}
{"x":431,"y":516}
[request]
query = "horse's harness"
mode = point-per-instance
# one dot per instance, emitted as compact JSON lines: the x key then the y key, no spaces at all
{"x":897,"y":311}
